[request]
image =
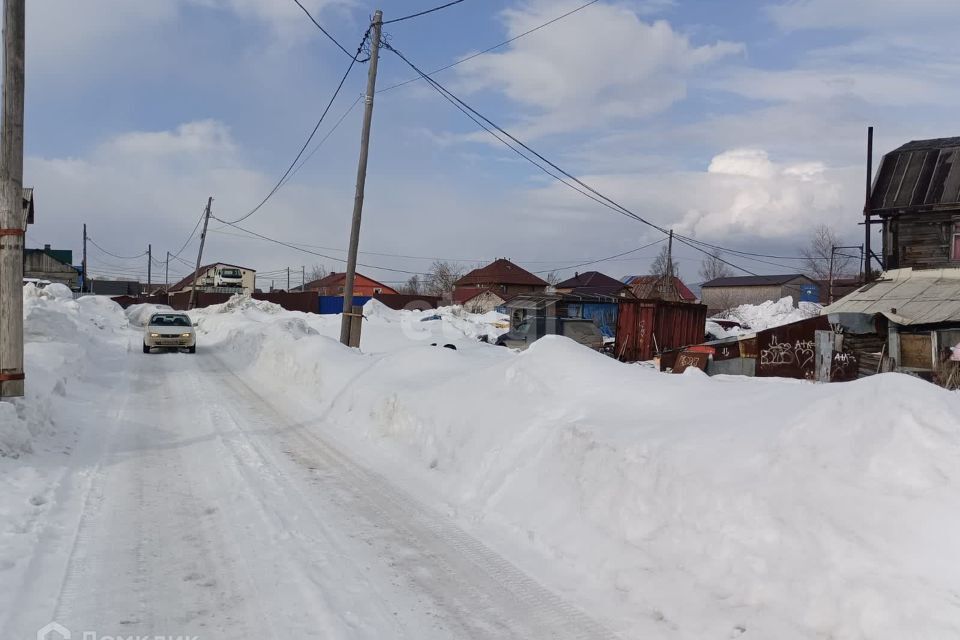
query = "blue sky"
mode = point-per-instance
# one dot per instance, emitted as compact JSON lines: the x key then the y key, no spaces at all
{"x":741,"y":123}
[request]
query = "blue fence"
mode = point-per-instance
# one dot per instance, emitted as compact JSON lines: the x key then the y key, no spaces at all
{"x":334,"y":304}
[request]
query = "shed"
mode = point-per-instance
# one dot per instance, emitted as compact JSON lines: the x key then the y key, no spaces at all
{"x":721,"y":294}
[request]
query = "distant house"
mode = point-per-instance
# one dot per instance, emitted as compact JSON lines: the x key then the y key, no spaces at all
{"x":657,"y":288}
{"x":114,"y":287}
{"x":55,"y":265}
{"x":594,"y":283}
{"x":206,"y":278}
{"x":502,"y":277}
{"x":916,"y":195}
{"x":334,"y":284}
{"x":720,"y":294}
{"x":478,"y":300}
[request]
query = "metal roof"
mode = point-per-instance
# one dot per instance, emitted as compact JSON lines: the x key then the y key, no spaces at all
{"x":920,"y":175}
{"x":754,"y":281}
{"x":501,"y":271}
{"x":907,"y":297}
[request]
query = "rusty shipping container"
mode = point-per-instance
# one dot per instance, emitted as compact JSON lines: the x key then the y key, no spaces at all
{"x":648,"y":327}
{"x":789,"y":351}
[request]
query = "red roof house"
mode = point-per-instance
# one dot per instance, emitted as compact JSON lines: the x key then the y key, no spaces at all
{"x":333,"y":285}
{"x":649,"y":287}
{"x":502,"y":277}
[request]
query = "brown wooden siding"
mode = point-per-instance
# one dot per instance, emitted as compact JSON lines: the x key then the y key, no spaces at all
{"x":921,"y":241}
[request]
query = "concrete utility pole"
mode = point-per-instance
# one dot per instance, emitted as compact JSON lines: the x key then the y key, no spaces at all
{"x":203,"y":238}
{"x":166,"y":274}
{"x":361,"y":179}
{"x":149,"y":268}
{"x":13,"y":222}
{"x":86,"y":285}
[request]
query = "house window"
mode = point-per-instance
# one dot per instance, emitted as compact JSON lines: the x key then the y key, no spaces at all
{"x":341,"y":290}
{"x":955,"y":252}
{"x":377,"y":290}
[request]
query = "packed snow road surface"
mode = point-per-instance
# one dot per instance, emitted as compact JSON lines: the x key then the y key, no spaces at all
{"x":208,"y":512}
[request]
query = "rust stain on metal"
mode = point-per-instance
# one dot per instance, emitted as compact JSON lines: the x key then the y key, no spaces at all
{"x":648,"y":327}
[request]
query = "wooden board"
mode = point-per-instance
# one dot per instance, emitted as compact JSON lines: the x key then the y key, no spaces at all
{"x":915,"y":351}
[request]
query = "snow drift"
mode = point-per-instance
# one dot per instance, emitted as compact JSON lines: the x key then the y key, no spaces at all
{"x":771,"y":313}
{"x":681,"y":506}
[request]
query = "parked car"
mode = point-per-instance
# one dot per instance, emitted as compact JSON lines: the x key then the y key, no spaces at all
{"x":527,"y":332}
{"x":170,"y":331}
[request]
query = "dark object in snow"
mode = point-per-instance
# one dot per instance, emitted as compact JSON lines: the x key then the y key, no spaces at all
{"x":484,"y":338}
{"x":435,"y":316}
{"x":450,"y":346}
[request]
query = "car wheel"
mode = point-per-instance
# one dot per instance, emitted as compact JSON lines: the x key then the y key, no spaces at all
{"x":146,"y":349}
{"x":192,"y":349}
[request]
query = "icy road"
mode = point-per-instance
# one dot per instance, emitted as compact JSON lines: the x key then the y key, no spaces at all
{"x":204,"y":510}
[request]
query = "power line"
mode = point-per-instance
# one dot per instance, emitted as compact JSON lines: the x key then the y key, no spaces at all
{"x":139,"y":255}
{"x":190,"y":237}
{"x":423,"y":13}
{"x":325,"y":32}
{"x":584,"y":264}
{"x":322,"y":140}
{"x":496,"y":46}
{"x":600,"y":198}
{"x":303,"y":148}
{"x":296,"y":248}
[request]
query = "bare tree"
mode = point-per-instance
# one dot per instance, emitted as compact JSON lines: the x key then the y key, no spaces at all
{"x":316,"y":272}
{"x":553,"y":278}
{"x":712,"y":267}
{"x":817,"y":255}
{"x":412,"y":287}
{"x":661,"y":264}
{"x":441,"y":277}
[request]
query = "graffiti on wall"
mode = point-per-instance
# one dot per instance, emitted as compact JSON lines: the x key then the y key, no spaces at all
{"x":799,"y":353}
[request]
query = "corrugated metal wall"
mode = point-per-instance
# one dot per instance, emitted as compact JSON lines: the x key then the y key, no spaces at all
{"x":647,"y":327}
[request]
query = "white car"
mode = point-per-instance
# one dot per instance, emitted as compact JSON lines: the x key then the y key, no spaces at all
{"x":171,"y":330}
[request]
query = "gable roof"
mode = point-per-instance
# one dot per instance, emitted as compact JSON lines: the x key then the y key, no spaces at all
{"x":591,"y":280}
{"x":755,"y":281}
{"x":500,"y":271}
{"x":64,"y":256}
{"x":919,"y":175}
{"x":334,"y":279}
{"x":467,"y":294}
{"x":643,"y":287}
{"x":188,"y":280}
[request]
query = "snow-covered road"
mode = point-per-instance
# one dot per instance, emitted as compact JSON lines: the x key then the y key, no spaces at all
{"x":205,"y":510}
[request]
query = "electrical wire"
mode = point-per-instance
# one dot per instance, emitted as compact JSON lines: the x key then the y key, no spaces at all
{"x":325,"y":32}
{"x":139,"y":255}
{"x":192,"y":233}
{"x":314,"y":253}
{"x":596,"y":195}
{"x":494,"y":47}
{"x":423,"y":13}
{"x":303,"y":148}
{"x":584,"y":264}
{"x":322,"y":140}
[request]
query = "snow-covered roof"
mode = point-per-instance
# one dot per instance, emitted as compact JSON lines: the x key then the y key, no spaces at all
{"x":907,"y":297}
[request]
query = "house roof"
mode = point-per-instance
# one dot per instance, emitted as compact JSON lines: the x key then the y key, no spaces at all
{"x":64,"y":256}
{"x":500,"y":271}
{"x":188,"y":280}
{"x":469,"y":293}
{"x":907,"y":297}
{"x":592,"y":282}
{"x":919,"y":175}
{"x":642,"y":287}
{"x":334,"y":279}
{"x":755,"y":281}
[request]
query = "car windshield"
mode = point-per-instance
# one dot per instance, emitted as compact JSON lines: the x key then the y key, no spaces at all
{"x":170,"y":320}
{"x":230,"y":273}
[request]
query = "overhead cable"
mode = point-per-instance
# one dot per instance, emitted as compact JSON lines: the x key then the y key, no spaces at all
{"x":423,"y":13}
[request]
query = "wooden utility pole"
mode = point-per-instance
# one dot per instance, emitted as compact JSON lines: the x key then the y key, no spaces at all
{"x":203,"y":238}
{"x":867,"y":209}
{"x":833,"y":251}
{"x":361,"y":179}
{"x":149,"y":268}
{"x":86,"y":285}
{"x":303,"y":278}
{"x":288,"y":279}
{"x":166,"y":275}
{"x":13,"y":221}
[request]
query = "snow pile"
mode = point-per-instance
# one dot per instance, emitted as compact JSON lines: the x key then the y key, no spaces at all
{"x":819,"y":511}
{"x":772,"y":314}
{"x":242,"y":302}
{"x":139,"y":314}
{"x":61,"y":339}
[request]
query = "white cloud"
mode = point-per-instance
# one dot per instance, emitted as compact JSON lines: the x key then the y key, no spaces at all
{"x":862,"y":14}
{"x":602,"y":66}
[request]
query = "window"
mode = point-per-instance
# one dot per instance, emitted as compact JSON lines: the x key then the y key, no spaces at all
{"x":955,"y":252}
{"x":378,"y":290}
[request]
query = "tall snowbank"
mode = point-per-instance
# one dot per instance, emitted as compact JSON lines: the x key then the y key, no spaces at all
{"x":772,"y":314}
{"x":62,"y":337}
{"x":686,"y":506}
